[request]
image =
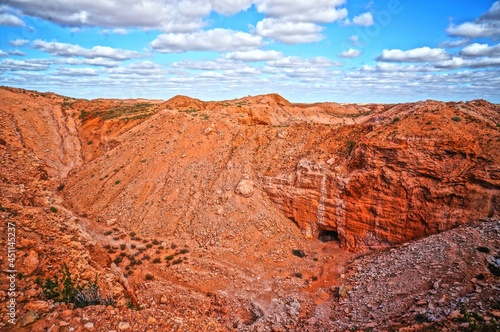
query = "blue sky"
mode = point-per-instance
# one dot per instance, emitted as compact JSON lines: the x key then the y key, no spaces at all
{"x":309,"y":50}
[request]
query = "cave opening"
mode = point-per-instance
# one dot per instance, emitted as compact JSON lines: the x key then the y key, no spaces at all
{"x":328,"y":236}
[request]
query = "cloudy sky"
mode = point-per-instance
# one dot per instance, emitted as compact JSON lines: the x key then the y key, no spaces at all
{"x":307,"y":50}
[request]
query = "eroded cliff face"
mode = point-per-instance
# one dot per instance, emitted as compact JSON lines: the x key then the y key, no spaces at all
{"x":422,"y":169}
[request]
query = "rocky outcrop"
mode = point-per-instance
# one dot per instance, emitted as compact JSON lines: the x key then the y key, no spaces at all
{"x":404,"y":184}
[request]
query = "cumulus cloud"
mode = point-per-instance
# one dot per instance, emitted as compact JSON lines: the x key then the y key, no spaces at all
{"x":65,"y":71}
{"x":423,"y":54}
{"x":19,"y":42}
{"x":315,"y":11}
{"x":28,"y":65}
{"x":295,"y":61}
{"x":17,"y":53}
{"x":11,"y":20}
{"x":493,"y":13}
{"x":289,"y":32}
{"x":255,"y":55}
{"x":67,"y":50}
{"x":350,"y":53}
{"x":2,"y":53}
{"x":220,"y":40}
{"x":296,"y":22}
{"x":230,"y":7}
{"x":142,"y":68}
{"x":488,"y":25}
{"x":172,"y":16}
{"x":474,"y":30}
{"x":218,"y":64}
{"x":458,"y":62}
{"x":480,"y":50}
{"x":454,"y":43}
{"x":365,"y":19}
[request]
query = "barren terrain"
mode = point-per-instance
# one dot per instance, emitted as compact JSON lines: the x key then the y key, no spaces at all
{"x":253,"y":214}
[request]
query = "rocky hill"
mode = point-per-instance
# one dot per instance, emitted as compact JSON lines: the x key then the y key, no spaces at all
{"x":249,"y":214}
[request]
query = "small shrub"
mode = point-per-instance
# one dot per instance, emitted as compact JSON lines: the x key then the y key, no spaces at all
{"x":177,"y":261}
{"x":69,"y":290}
{"x":169,"y":257}
{"x":53,"y":209}
{"x":299,"y":253}
{"x":89,"y":143}
{"x":183,"y":251}
{"x":485,"y":250}
{"x":146,"y":257}
{"x":133,"y":246}
{"x":158,"y":252}
{"x":161,"y":247}
{"x":149,"y":276}
{"x":456,"y":118}
{"x":123,"y":246}
{"x":117,"y":182}
{"x":396,"y":119}
{"x":157,"y":260}
{"x":107,"y":246}
{"x":118,"y":260}
{"x":297,"y":275}
{"x":173,"y":246}
{"x":108,"y":233}
{"x":149,"y":245}
{"x":132,"y":234}
{"x":156,"y":242}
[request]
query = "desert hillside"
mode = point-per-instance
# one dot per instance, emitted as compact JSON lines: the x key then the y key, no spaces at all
{"x":252,"y":214}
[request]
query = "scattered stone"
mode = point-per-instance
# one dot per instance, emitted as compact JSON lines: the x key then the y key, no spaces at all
{"x":89,"y":326}
{"x":29,"y":318}
{"x":122,"y":326}
{"x":245,"y":188}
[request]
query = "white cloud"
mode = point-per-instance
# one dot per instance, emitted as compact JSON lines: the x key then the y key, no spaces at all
{"x":2,"y":53}
{"x":255,"y":55}
{"x":493,"y":13}
{"x":17,"y":53}
{"x":142,"y":68}
{"x":474,"y":30}
{"x":220,"y":40}
{"x":315,"y":11}
{"x":423,"y":54}
{"x":289,"y":32}
{"x":76,"y":71}
{"x":64,"y":49}
{"x":102,"y":62}
{"x":18,"y":65}
{"x":218,"y":64}
{"x":479,"y":50}
{"x":488,"y":25}
{"x":10,"y":20}
{"x":172,"y":16}
{"x":350,"y":53}
{"x":365,"y":19}
{"x":454,"y":43}
{"x":230,"y":7}
{"x":458,"y":62}
{"x":19,"y":42}
{"x":295,"y":61}
{"x":117,"y":31}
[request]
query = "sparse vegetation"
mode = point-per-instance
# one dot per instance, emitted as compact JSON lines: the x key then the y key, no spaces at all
{"x":53,"y":209}
{"x":396,"y":119}
{"x":456,"y":118}
{"x":70,"y":290}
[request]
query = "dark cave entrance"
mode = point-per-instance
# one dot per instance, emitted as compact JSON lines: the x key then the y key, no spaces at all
{"x":328,"y":236}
